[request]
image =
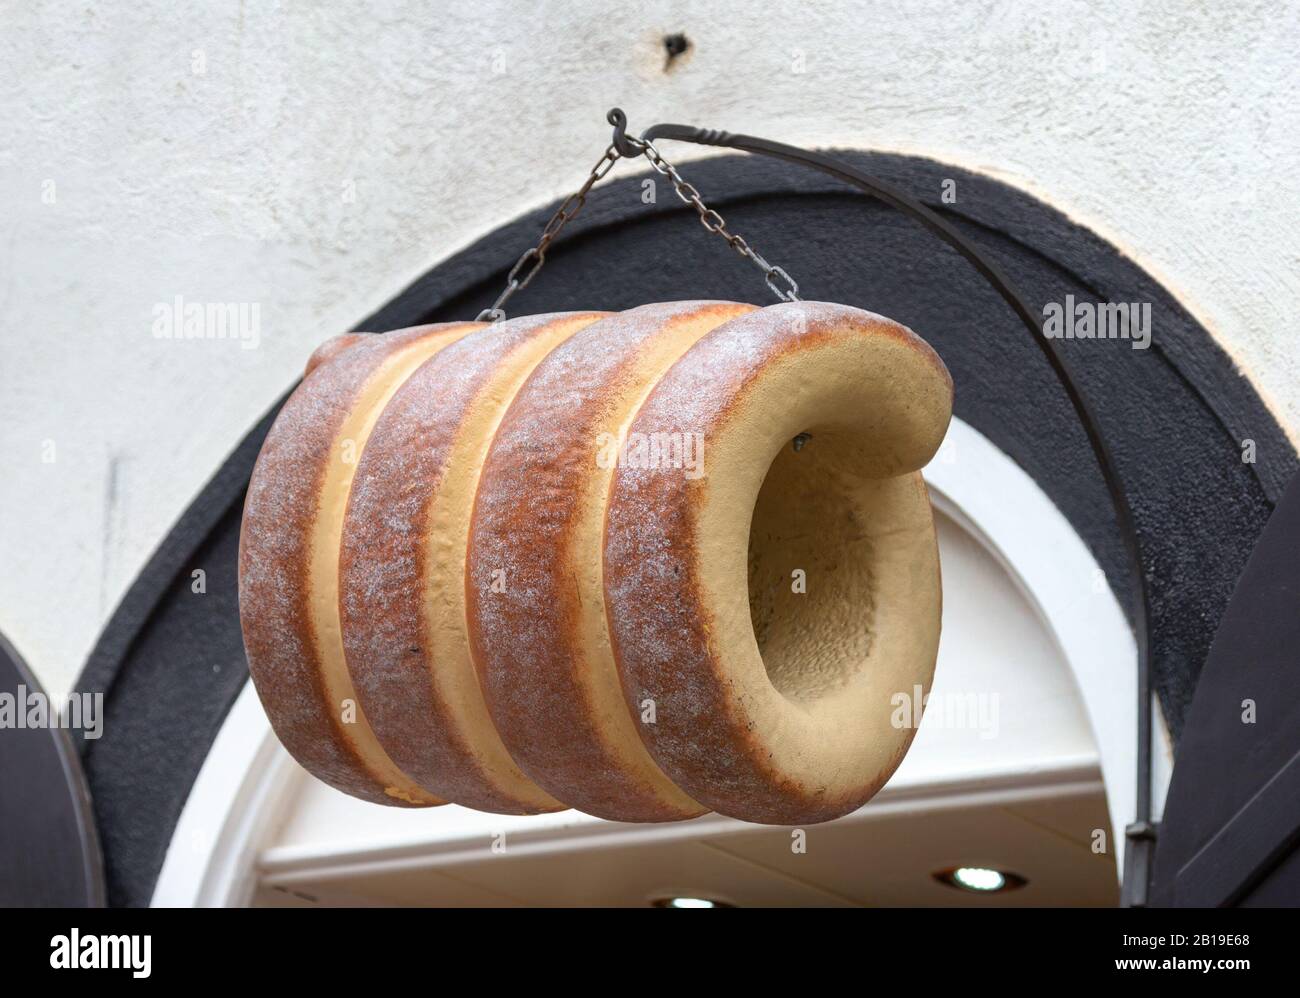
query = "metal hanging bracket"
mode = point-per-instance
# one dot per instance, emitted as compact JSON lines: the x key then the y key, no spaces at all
{"x":626,"y":146}
{"x":1142,"y":831}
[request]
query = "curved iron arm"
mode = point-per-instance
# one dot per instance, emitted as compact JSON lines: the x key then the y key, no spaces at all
{"x":1141,"y":832}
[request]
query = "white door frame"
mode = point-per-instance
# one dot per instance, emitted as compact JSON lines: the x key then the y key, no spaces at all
{"x":241,"y":794}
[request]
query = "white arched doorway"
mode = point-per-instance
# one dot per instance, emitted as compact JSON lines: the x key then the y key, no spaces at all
{"x":1025,"y":761}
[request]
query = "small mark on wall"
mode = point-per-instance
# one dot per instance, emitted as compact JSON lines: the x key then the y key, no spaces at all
{"x":675,"y":46}
{"x":110,"y":528}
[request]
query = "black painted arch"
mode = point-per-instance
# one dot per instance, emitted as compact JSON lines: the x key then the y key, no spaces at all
{"x":1175,"y":416}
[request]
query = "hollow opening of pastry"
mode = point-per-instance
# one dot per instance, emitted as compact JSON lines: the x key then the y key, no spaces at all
{"x":810,"y":581}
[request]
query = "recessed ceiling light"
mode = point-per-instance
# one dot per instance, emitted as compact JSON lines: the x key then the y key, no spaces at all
{"x":690,"y":902}
{"x":980,"y":879}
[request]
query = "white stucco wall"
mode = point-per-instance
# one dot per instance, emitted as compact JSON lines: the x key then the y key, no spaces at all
{"x":127,"y":177}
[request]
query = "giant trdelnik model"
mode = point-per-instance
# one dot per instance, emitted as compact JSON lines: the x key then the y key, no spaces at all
{"x":646,"y":564}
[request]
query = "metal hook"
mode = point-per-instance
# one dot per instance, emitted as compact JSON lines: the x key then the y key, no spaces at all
{"x":624,"y":143}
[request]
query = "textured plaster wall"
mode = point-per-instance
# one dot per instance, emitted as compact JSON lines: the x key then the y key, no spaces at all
{"x":314,"y":158}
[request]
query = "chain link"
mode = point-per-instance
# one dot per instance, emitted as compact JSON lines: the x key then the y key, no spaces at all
{"x":534,"y":257}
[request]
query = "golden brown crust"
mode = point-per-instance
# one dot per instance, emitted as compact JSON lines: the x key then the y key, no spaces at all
{"x":402,"y":565}
{"x":547,"y":675}
{"x":502,"y":604}
{"x":279,"y":534}
{"x":731,"y":729}
{"x":331,"y":348}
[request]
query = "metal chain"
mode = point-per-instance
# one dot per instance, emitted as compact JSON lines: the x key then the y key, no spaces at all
{"x":714,"y":222}
{"x":535,"y":257}
{"x":537,"y":254}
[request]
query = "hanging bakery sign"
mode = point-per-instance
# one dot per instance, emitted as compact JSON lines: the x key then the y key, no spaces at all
{"x":646,"y":564}
{"x":454,"y":588}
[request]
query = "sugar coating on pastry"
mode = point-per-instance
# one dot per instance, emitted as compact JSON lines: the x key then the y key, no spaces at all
{"x":537,"y":621}
{"x":774,"y":607}
{"x":288,"y":560}
{"x":402,"y":564}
